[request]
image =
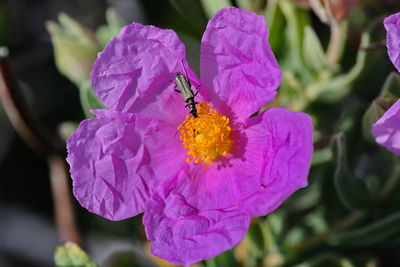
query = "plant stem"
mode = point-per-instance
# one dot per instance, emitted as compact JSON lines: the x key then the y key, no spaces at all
{"x":390,"y":183}
{"x":336,"y":43}
{"x":44,"y":141}
{"x":317,"y":239}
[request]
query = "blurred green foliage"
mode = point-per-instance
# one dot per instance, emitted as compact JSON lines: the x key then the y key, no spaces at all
{"x":71,"y":255}
{"x":75,"y":48}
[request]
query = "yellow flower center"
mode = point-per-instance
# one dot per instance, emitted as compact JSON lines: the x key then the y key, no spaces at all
{"x":207,"y":137}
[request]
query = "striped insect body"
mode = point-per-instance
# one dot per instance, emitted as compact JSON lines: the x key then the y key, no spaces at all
{"x":185,"y":89}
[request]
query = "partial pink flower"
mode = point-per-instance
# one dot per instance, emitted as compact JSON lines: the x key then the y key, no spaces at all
{"x":199,"y":188}
{"x":387,"y":129}
{"x":392,"y":26}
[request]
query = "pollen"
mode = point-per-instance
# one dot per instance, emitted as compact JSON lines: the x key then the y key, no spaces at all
{"x":207,"y":137}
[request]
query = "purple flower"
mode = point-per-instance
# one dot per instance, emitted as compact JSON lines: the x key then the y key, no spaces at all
{"x":198,"y":190}
{"x":392,"y":26}
{"x":387,"y":129}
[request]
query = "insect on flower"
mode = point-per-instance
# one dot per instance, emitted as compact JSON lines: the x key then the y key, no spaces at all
{"x":199,"y":192}
{"x":188,"y":96}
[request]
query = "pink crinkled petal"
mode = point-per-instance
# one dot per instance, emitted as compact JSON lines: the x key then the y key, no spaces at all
{"x":136,"y":73}
{"x":238,"y":67}
{"x":223,"y":184}
{"x":117,"y":158}
{"x":392,"y":26}
{"x":387,"y":129}
{"x":183,"y":235}
{"x":271,"y":156}
{"x":285,"y":138}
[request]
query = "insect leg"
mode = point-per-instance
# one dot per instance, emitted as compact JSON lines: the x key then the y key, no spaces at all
{"x":176,"y":90}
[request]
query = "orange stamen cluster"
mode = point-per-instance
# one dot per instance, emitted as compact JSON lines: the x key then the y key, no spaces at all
{"x":207,"y":137}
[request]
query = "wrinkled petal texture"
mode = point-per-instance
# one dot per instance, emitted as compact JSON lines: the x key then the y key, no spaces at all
{"x":238,"y":67}
{"x":271,"y":160}
{"x":285,"y":138}
{"x":392,"y":26}
{"x":128,"y":159}
{"x":115,"y":159}
{"x":387,"y":129}
{"x":136,"y":73}
{"x":183,"y":234}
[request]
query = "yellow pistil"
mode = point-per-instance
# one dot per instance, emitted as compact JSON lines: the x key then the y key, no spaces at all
{"x":207,"y":137}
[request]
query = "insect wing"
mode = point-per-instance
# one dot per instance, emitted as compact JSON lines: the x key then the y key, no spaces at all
{"x":184,"y":86}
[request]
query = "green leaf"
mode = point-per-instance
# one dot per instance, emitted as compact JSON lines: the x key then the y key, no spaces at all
{"x":303,"y":199}
{"x":371,"y":234}
{"x":389,"y":94}
{"x":212,"y":6}
{"x":373,"y":113}
{"x":260,"y":236}
{"x":123,"y":259}
{"x":313,"y":52}
{"x":114,"y":23}
{"x":331,"y":90}
{"x":245,"y":4}
{"x":275,"y":23}
{"x":391,"y":86}
{"x":330,"y":260}
{"x":257,"y":6}
{"x":75,"y":48}
{"x":103,"y":35}
{"x":73,"y":29}
{"x":351,"y":191}
{"x":192,"y":20}
{"x":321,"y":156}
{"x":71,"y":255}
{"x":89,"y":100}
{"x":292,"y":57}
{"x":296,"y":20}
{"x":294,"y":235}
{"x":66,"y":128}
{"x":275,"y":222}
{"x":225,"y":259}
{"x":316,"y":221}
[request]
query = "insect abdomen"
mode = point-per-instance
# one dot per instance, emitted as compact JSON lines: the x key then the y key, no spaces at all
{"x":188,"y":96}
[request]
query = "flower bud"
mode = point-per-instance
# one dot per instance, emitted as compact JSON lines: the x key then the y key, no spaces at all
{"x":389,"y":94}
{"x":373,"y":113}
{"x":66,"y":128}
{"x":75,"y":48}
{"x":70,"y":254}
{"x":331,"y":11}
